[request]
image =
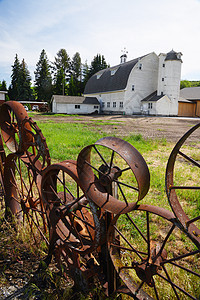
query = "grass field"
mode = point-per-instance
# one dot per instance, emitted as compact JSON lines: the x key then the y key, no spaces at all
{"x":66,"y":140}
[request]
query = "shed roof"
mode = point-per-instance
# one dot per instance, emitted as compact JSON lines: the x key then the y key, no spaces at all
{"x":190,"y":93}
{"x":75,"y":99}
{"x":3,"y":92}
{"x":153,"y":97}
{"x":111,"y":79}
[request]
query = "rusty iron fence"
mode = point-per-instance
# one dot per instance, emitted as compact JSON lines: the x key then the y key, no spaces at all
{"x":89,"y":214}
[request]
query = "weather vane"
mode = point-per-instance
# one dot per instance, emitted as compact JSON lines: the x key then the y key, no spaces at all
{"x":124,"y":51}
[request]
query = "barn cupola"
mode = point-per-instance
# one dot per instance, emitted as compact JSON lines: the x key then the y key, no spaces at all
{"x":123,"y":57}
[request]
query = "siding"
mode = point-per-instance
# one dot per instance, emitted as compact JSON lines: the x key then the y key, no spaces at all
{"x":186,"y":109}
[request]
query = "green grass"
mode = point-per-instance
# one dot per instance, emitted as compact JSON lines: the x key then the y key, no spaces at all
{"x":66,"y":140}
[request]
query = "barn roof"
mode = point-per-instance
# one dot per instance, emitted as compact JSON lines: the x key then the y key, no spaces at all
{"x":152,"y":97}
{"x":74,"y":99}
{"x":190,"y":93}
{"x":111,"y":79}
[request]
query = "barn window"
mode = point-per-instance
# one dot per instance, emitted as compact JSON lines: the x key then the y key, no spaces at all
{"x":99,"y":74}
{"x":113,"y":71}
{"x":133,"y":87}
{"x":120,"y":104}
{"x":114,"y":104}
{"x":163,"y":65}
{"x":150,"y":105}
{"x":77,"y":106}
{"x":140,"y":66}
{"x":162,"y":79}
{"x":108,"y":104}
{"x":96,"y":106}
{"x":103,"y":104}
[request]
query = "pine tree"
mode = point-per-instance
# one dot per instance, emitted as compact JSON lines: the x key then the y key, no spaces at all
{"x":72,"y":88}
{"x":76,"y":66}
{"x":76,"y":84}
{"x":98,"y":63}
{"x":62,"y":71}
{"x":43,"y":79}
{"x":3,"y":86}
{"x":24,"y":83}
{"x":13,"y":88}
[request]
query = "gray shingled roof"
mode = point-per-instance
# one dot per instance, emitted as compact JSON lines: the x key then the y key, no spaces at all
{"x":152,"y":97}
{"x":190,"y":93}
{"x":75,"y":99}
{"x":107,"y":82}
{"x":172,"y":55}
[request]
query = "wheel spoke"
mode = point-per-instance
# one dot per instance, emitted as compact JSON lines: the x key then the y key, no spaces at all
{"x":178,"y":287}
{"x":125,"y":239}
{"x":189,"y":159}
{"x":95,"y":148}
{"x":126,"y":185}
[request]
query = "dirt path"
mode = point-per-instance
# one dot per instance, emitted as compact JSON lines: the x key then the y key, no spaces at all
{"x":170,"y":129}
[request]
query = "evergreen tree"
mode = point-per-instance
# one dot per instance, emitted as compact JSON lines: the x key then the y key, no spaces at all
{"x":13,"y":88}
{"x":3,"y":86}
{"x":43,"y":79}
{"x":85,"y":72}
{"x":76,"y":84}
{"x":24,"y":83}
{"x":98,"y":63}
{"x":72,"y":88}
{"x":76,"y":67}
{"x":59,"y":83}
{"x":62,"y":71}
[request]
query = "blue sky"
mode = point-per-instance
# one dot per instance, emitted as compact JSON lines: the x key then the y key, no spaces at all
{"x":93,"y":26}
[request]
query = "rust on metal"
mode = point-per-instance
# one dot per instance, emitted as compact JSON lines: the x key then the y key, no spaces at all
{"x":76,"y":206}
{"x":95,"y":187}
{"x":12,"y":114}
{"x":188,"y":225}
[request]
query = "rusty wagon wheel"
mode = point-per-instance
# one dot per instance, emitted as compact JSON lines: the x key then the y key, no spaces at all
{"x":113,"y":174}
{"x":84,"y":270}
{"x":12,"y":114}
{"x":72,"y":218}
{"x":2,"y":162}
{"x":36,"y":146}
{"x":153,"y":257}
{"x":23,"y":197}
{"x":184,"y":195}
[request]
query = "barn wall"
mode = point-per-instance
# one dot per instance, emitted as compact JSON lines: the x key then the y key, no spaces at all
{"x":186,"y":109}
{"x":198,"y":109}
{"x":68,"y":108}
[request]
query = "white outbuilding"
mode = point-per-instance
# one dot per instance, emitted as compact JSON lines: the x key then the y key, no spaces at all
{"x":149,"y":84}
{"x":74,"y":105}
{"x":3,"y":96}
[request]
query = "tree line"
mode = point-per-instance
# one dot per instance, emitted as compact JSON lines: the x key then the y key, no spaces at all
{"x":64,"y":76}
{"x":187,"y":83}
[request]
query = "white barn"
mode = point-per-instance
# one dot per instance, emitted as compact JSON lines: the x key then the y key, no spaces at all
{"x":74,"y":105}
{"x":149,"y":84}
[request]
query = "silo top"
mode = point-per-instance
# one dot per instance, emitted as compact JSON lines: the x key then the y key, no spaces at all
{"x":172,"y":55}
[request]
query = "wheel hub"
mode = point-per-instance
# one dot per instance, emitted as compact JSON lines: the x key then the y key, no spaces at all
{"x":150,"y":267}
